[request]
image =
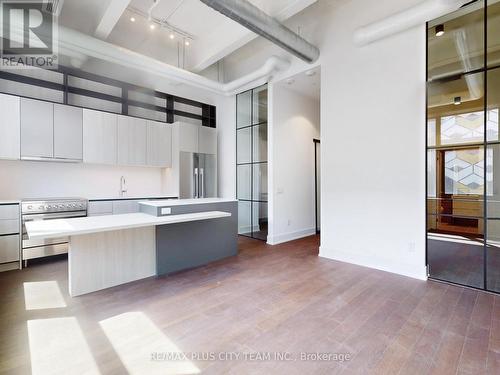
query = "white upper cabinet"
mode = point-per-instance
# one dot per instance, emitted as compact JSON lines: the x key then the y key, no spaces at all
{"x":68,"y":132}
{"x":99,"y":137}
{"x":10,"y":127}
{"x":132,"y":141}
{"x":188,"y":137}
{"x":195,"y":138}
{"x":37,"y":129}
{"x":207,"y":140}
{"x":159,"y":144}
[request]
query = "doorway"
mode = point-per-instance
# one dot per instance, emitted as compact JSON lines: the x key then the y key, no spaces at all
{"x":317,"y":183}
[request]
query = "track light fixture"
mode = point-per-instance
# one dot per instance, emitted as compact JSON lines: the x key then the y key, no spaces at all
{"x":439,"y":30}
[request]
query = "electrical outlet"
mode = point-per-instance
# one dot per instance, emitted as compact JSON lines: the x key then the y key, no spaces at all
{"x":166,"y":211}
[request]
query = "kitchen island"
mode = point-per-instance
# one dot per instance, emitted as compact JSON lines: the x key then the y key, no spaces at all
{"x":106,"y":251}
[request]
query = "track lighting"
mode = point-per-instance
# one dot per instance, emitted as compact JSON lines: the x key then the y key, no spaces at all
{"x":439,"y":30}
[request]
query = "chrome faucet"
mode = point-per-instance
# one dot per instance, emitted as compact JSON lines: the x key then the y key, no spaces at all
{"x":123,"y":186}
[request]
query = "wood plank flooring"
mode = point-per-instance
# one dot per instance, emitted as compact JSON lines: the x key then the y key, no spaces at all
{"x":266,"y":300}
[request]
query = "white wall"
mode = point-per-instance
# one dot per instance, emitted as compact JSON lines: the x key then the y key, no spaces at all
{"x":372,"y":133}
{"x":295,"y":123}
{"x":23,"y":179}
{"x":373,"y":143}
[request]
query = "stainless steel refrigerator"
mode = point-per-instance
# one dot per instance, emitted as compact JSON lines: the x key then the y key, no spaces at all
{"x":198,"y":175}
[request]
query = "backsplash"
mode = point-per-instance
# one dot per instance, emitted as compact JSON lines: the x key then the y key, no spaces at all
{"x":22,"y":179}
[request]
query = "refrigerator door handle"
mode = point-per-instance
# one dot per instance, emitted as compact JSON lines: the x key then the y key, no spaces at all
{"x":196,"y":183}
{"x":202,"y":183}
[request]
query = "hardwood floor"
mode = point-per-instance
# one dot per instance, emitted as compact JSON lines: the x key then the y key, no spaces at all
{"x":267,"y":299}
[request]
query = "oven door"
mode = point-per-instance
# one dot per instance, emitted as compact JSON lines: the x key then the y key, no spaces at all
{"x":27,"y":243}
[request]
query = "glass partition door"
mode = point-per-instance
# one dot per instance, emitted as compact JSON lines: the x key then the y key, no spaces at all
{"x":251,"y":162}
{"x":463,"y":147}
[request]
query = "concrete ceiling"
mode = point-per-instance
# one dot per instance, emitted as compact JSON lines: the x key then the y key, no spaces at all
{"x":213,"y":36}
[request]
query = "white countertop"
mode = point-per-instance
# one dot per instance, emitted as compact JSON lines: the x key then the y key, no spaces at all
{"x":94,"y":224}
{"x":184,"y":202}
{"x":9,"y":202}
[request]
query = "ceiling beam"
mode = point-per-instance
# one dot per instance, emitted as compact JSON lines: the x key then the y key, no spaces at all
{"x":110,"y":17}
{"x":231,"y":37}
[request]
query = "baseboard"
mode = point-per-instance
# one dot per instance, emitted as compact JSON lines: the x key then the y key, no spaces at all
{"x":286,"y":237}
{"x":407,"y":270}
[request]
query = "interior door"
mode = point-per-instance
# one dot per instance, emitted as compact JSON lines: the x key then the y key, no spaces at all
{"x":455,"y":225}
{"x":318,"y":185}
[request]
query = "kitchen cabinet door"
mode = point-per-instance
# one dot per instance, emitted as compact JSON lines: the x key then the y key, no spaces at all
{"x":99,"y":137}
{"x":125,"y":207}
{"x":132,"y":141}
{"x":100,"y":208}
{"x":37,"y":129}
{"x":68,"y":132}
{"x":9,"y":248}
{"x":159,"y":144}
{"x":188,"y":137}
{"x":10,"y":127}
{"x":207,"y":140}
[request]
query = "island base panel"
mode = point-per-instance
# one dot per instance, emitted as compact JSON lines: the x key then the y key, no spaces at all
{"x":103,"y":260}
{"x":188,"y":245}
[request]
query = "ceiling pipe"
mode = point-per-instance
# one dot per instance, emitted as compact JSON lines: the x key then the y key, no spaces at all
{"x":254,"y":19}
{"x":406,"y":19}
{"x":150,"y":10}
{"x":74,"y":43}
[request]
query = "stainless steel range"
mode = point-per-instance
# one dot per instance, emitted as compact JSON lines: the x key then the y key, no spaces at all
{"x":48,"y":209}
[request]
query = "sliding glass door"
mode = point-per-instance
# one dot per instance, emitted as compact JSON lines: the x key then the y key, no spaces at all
{"x":463,"y":147}
{"x":251,"y":162}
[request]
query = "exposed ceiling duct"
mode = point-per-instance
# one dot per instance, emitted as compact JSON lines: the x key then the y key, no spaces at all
{"x":77,"y":45}
{"x":254,"y":19}
{"x":406,"y":19}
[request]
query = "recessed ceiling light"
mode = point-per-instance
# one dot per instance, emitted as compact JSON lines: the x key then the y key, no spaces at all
{"x":457,"y":100}
{"x":439,"y":30}
{"x":186,"y":42}
{"x":152,"y":26}
{"x":132,"y":19}
{"x":172,"y":36}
